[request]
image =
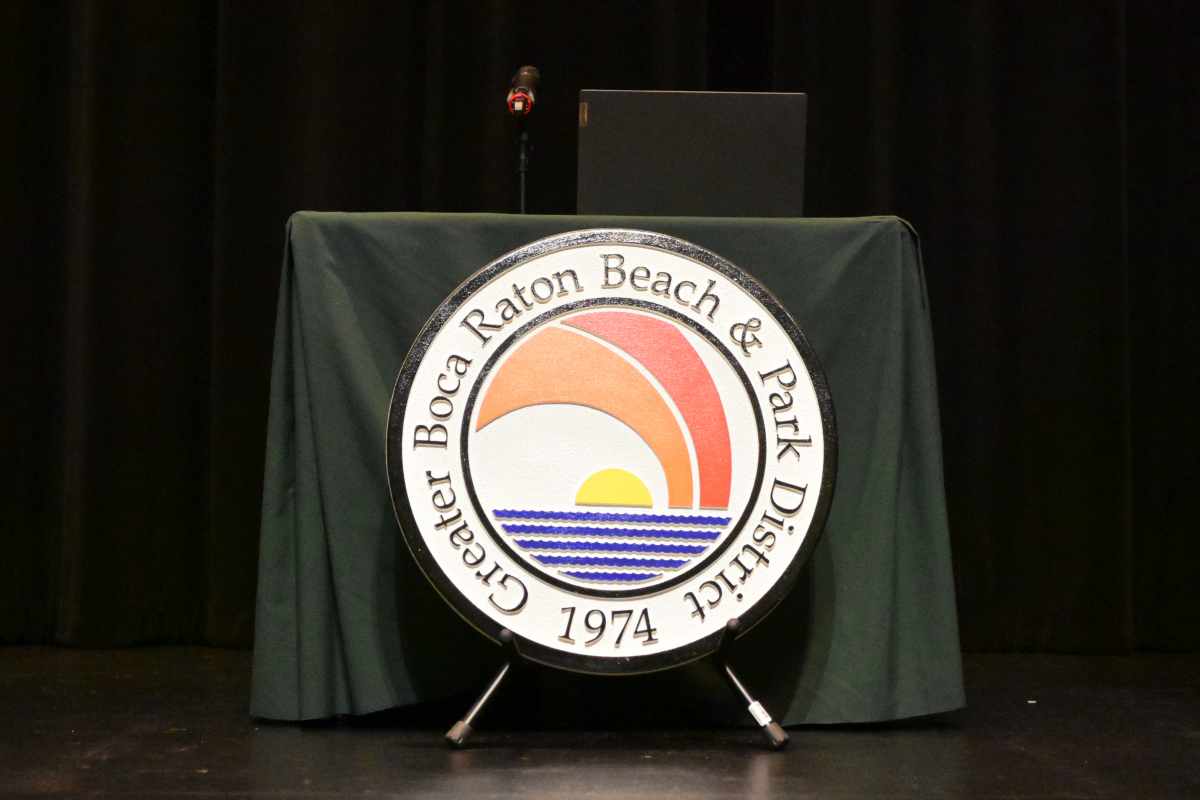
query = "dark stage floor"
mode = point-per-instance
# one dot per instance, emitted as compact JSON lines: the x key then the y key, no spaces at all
{"x":172,"y":722}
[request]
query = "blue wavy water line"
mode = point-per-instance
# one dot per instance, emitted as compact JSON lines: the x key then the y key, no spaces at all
{"x":613,"y":547}
{"x":610,"y":516}
{"x":613,"y":561}
{"x":635,"y":533}
{"x":612,"y":576}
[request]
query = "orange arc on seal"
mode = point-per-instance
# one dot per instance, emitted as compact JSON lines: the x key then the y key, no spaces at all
{"x":666,"y":354}
{"x":560,"y":366}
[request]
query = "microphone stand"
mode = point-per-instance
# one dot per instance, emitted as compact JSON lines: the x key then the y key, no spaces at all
{"x":522,"y":158}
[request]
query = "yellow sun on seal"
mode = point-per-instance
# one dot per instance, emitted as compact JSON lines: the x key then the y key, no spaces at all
{"x":613,"y":487}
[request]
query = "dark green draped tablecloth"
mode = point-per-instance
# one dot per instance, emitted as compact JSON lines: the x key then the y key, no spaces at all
{"x":346,"y":624}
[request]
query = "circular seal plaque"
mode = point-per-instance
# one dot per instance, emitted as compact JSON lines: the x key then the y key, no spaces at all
{"x":611,"y":442}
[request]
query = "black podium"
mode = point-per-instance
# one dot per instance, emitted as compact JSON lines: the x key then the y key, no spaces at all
{"x":713,"y":154}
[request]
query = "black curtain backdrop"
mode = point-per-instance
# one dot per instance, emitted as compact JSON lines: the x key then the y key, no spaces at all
{"x":1046,"y":153}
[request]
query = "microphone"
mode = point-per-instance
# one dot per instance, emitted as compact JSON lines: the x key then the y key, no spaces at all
{"x":521,"y":96}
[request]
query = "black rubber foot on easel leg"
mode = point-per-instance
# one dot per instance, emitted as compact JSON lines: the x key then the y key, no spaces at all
{"x":776,"y":735}
{"x":461,"y":731}
{"x":458,"y":735}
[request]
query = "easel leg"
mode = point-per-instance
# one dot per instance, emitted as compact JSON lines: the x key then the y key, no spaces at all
{"x":461,"y":730}
{"x":777,"y":737}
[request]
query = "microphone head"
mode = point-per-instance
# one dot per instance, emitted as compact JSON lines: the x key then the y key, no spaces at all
{"x":521,"y":97}
{"x":527,"y":77}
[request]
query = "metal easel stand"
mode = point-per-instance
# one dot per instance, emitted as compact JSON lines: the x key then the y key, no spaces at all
{"x":461,"y":731}
{"x":776,"y":736}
